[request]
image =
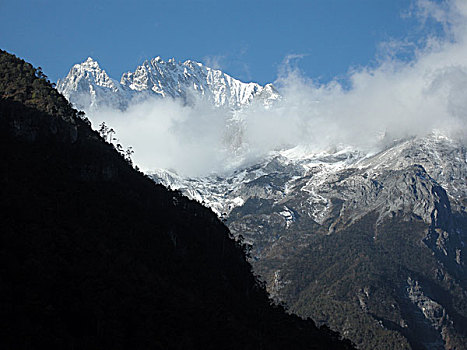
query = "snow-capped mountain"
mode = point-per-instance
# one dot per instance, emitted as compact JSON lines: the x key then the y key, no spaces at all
{"x":372,"y":244}
{"x":404,"y":206}
{"x":286,"y":174}
{"x":89,"y":87}
{"x":175,"y":79}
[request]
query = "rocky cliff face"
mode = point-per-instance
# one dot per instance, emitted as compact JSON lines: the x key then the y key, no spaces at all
{"x":384,"y":219}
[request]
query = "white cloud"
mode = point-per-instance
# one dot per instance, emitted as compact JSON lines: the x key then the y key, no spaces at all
{"x":165,"y":133}
{"x":215,"y":61}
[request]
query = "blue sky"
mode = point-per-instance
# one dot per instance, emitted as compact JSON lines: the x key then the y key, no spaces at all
{"x":247,"y":39}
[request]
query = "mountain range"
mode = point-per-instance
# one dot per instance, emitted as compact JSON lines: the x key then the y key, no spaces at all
{"x":90,"y":88}
{"x":95,"y":255}
{"x":371,"y":243}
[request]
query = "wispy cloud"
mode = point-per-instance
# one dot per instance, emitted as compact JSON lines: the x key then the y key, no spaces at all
{"x":215,"y":61}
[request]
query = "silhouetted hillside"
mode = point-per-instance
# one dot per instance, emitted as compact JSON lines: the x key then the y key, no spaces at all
{"x":94,"y":255}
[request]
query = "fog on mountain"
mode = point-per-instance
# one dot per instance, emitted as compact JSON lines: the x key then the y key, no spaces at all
{"x":215,"y":123}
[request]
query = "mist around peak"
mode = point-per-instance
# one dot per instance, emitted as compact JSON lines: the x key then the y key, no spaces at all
{"x":394,"y":99}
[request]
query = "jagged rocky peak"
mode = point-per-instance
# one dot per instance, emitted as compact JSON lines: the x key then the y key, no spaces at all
{"x":88,"y":87}
{"x":89,"y":71}
{"x":90,"y":62}
{"x":180,"y":79}
{"x":187,"y":80}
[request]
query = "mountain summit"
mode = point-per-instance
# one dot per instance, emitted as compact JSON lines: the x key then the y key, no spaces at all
{"x":89,"y":87}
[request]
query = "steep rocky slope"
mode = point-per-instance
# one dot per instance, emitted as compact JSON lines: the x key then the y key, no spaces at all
{"x":372,"y":244}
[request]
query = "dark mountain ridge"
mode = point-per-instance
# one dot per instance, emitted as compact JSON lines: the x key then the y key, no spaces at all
{"x":95,"y":255}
